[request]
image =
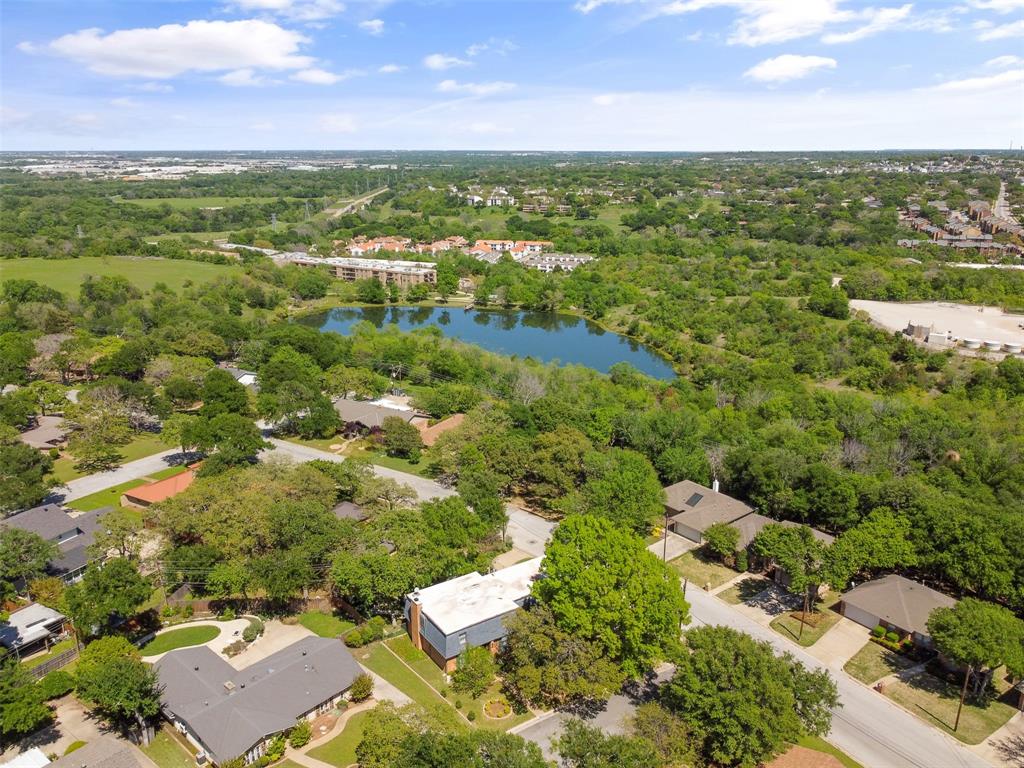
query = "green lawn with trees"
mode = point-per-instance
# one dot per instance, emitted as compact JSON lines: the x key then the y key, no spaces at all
{"x":179,"y":638}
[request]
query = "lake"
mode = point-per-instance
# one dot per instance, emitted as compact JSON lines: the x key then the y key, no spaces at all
{"x":543,"y":336}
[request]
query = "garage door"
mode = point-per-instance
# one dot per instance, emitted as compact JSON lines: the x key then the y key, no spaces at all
{"x":860,"y":616}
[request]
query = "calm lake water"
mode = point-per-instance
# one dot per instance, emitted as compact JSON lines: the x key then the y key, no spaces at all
{"x":540,"y":335}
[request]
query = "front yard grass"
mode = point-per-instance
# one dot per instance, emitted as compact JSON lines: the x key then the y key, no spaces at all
{"x":418,"y":660}
{"x":140,"y":447}
{"x":700,"y":570}
{"x":180,"y":638}
{"x":378,"y":658}
{"x":935,"y":701}
{"x":166,"y":752}
{"x":341,"y":750}
{"x":482,"y":721}
{"x":873,"y":662}
{"x":818,"y":744}
{"x":822,"y":620}
{"x":325,"y":624}
{"x":744,"y":590}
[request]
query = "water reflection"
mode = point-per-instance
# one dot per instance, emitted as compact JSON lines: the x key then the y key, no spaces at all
{"x":544,"y":336}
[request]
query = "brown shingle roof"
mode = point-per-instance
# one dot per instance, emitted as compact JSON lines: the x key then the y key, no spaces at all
{"x":802,"y":757}
{"x":700,"y":508}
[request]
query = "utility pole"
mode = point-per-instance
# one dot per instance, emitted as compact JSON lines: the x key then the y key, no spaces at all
{"x":963,"y":695}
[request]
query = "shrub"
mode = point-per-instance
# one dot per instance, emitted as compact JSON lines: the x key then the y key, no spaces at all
{"x":374,"y":629}
{"x":235,"y":648}
{"x":362,"y":688}
{"x":742,"y":561}
{"x":300,"y":734}
{"x":167,"y":611}
{"x":275,"y":749}
{"x":878,"y":631}
{"x":354,"y":639}
{"x":188,"y":610}
{"x":892,"y":637}
{"x":228,"y":614}
{"x":458,"y":703}
{"x":56,"y":684}
{"x":250,"y":633}
{"x":471,"y":716}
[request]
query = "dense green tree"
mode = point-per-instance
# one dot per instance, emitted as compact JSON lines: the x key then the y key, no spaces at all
{"x":623,"y":486}
{"x":879,"y":542}
{"x":111,"y":676}
{"x":222,"y":394}
{"x":982,"y":636}
{"x":475,"y":671}
{"x":584,"y":746}
{"x":602,"y":584}
{"x":24,"y":473}
{"x":722,"y":540}
{"x":667,"y":733}
{"x":22,"y":709}
{"x":16,"y":352}
{"x":23,"y":555}
{"x":743,"y":703}
{"x":401,"y":438}
{"x":371,"y":291}
{"x":107,"y":591}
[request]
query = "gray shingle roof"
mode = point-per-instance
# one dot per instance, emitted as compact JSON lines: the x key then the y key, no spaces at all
{"x":700,"y":508}
{"x":900,"y":601}
{"x":368,"y":414}
{"x":53,"y":523}
{"x":231,"y":710}
{"x":28,"y":624}
{"x":347,"y":510}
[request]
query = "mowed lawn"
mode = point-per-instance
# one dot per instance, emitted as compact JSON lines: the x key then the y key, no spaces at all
{"x":873,"y":662}
{"x":935,"y":701}
{"x":696,"y":567}
{"x":341,"y":750}
{"x":168,"y":753}
{"x":180,"y":638}
{"x":325,"y":624}
{"x":66,"y":275}
{"x":820,"y":621}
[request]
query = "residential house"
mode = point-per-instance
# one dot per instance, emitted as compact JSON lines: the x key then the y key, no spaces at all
{"x":693,"y":508}
{"x":897,"y":603}
{"x":72,"y":535}
{"x":153,"y":493}
{"x":32,"y":629}
{"x":361,"y":415}
{"x":347,"y":510}
{"x":242,"y":376}
{"x":47,"y":432}
{"x":467,"y":612}
{"x":429,"y":433}
{"x":227,"y":713}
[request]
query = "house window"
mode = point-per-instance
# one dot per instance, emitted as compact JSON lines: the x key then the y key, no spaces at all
{"x":462,"y":639}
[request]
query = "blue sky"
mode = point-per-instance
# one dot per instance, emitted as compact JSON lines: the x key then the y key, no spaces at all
{"x":699,"y":75}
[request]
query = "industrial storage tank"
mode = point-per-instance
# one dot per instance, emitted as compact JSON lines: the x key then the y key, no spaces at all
{"x":972,"y":343}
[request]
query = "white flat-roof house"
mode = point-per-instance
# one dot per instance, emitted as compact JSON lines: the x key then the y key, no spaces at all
{"x":468,"y":611}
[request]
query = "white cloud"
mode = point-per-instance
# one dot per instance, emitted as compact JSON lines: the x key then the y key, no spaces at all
{"x":27,"y":47}
{"x":694,"y":37}
{"x":488,"y":127}
{"x":1011,"y":77}
{"x":293,"y":10}
{"x":788,"y":67}
{"x":336,"y":123}
{"x":1002,"y":32}
{"x":1002,"y":62}
{"x":880,"y":21}
{"x":242,"y":78}
{"x":84,"y":119}
{"x":262,"y":125}
{"x":439,"y":61}
{"x":152,"y":87}
{"x":173,"y":49}
{"x":315,"y":76}
{"x":123,"y":101}
{"x":390,"y":69}
{"x":999,"y":6}
{"x":607,"y":99}
{"x":372,"y":26}
{"x":497,"y":45}
{"x":474,"y":89}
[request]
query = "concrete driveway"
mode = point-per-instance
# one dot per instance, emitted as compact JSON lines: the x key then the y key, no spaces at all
{"x":839,"y":644}
{"x":672,"y":546}
{"x":73,"y":723}
{"x":768,"y":605}
{"x":529,"y":533}
{"x":275,"y":637}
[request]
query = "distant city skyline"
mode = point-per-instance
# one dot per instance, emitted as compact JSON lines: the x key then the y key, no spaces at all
{"x":618,"y":75}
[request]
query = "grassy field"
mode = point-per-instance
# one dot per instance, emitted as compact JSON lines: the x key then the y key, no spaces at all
{"x":788,"y":624}
{"x":166,"y":752}
{"x":180,"y":638}
{"x":341,"y":750}
{"x":744,"y":590}
{"x":377,"y":658}
{"x":700,"y":570}
{"x":324,"y":624}
{"x":873,"y":662}
{"x":184,"y":203}
{"x":66,"y":274}
{"x":140,"y":447}
{"x":935,"y":701}
{"x":111,"y":497}
{"x":818,"y":744}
